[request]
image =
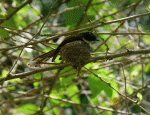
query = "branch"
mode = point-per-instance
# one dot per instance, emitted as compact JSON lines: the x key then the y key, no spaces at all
{"x":107,"y":57}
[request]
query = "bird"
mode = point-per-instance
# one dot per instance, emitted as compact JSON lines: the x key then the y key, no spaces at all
{"x":74,"y":49}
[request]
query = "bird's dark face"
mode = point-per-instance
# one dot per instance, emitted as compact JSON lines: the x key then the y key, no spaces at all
{"x":88,"y":36}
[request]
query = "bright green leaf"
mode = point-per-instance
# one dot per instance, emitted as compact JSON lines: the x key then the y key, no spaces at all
{"x":4,"y":73}
{"x":27,"y":109}
{"x":139,"y":95}
{"x":95,"y":85}
{"x":72,"y":90}
{"x":146,"y":39}
{"x":37,"y":76}
{"x":130,"y":90}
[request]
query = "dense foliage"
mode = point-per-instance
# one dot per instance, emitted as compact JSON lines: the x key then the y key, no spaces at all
{"x":117,"y":80}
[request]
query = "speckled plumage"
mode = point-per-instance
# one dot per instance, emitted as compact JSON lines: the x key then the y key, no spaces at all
{"x":76,"y":52}
{"x":74,"y":49}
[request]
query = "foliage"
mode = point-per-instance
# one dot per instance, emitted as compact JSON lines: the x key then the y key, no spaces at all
{"x":118,"y":75}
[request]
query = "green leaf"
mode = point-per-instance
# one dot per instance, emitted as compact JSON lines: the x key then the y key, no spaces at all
{"x":37,"y":76}
{"x":8,"y":23}
{"x":85,"y":20}
{"x":11,"y":21}
{"x":56,"y":111}
{"x":73,"y":17}
{"x":72,"y":90}
{"x":113,"y":93}
{"x":11,"y":88}
{"x":72,"y":3}
{"x":130,"y":90}
{"x":3,"y":34}
{"x":140,"y":97}
{"x":55,"y":95}
{"x":96,"y":86}
{"x":27,"y":109}
{"x":68,"y":80}
{"x":4,"y":73}
{"x":58,"y":94}
{"x":147,"y":68}
{"x":146,"y":39}
{"x":107,"y":89}
{"x":36,"y":84}
{"x":107,"y":113}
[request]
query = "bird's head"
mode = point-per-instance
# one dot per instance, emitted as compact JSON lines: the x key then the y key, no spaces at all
{"x":88,"y":36}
